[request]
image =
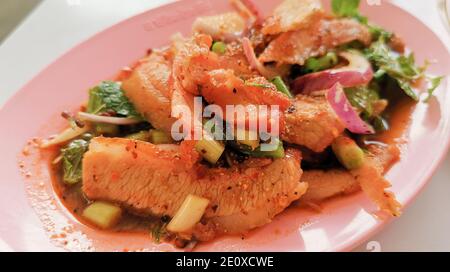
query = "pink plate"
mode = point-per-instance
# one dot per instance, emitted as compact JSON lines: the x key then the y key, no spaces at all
{"x":32,"y":219}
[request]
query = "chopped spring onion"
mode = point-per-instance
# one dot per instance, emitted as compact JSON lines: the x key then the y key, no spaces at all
{"x":348,"y":152}
{"x":276,"y":153}
{"x":140,"y":136}
{"x":219,"y":48}
{"x":210,"y":150}
{"x":103,"y":215}
{"x":321,"y":63}
{"x":281,"y":86}
{"x":107,"y":119}
{"x":65,"y":136}
{"x":160,"y":137}
{"x":244,"y":137}
{"x":189,"y":214}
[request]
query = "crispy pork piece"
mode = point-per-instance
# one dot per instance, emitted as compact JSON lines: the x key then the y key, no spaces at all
{"x":149,"y":90}
{"x":312,"y":123}
{"x":292,"y":15}
{"x":225,"y":27}
{"x":194,"y":59}
{"x":224,"y":88}
{"x":155,"y":181}
{"x":295,"y":47}
{"x":324,"y":184}
{"x":374,"y":185}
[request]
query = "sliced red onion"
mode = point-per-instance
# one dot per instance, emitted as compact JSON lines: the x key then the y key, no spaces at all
{"x":357,"y":72}
{"x":253,"y":60}
{"x":344,"y":110}
{"x":106,"y":119}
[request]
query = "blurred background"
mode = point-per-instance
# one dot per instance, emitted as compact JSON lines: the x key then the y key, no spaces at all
{"x":12,"y":12}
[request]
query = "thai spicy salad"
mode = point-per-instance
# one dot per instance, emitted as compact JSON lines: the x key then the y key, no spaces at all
{"x":294,"y":108}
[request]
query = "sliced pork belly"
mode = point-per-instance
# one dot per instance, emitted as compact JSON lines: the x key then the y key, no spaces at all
{"x":149,"y":90}
{"x":295,"y":47}
{"x":292,"y":15}
{"x":152,"y":180}
{"x":324,"y":184}
{"x":312,"y":123}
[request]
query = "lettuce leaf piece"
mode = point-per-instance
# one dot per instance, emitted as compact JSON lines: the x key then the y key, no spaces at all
{"x":72,"y":156}
{"x":109,"y":96}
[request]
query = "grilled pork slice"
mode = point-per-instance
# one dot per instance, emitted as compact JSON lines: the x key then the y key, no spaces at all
{"x":296,"y":47}
{"x":155,"y":181}
{"x":324,"y":184}
{"x":149,"y":91}
{"x":312,"y":123}
{"x":293,"y":15}
{"x":194,"y":59}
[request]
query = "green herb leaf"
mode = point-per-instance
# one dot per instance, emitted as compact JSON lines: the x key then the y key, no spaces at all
{"x":281,"y":86}
{"x":108,"y":96}
{"x":405,"y":85}
{"x":363,"y":98}
{"x":435,"y":82}
{"x":158,"y":230}
{"x":72,"y":156}
{"x":350,"y":8}
{"x":401,"y":68}
{"x":345,"y":8}
{"x":378,"y":32}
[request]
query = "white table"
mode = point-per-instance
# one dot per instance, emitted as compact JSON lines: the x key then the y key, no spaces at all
{"x":57,"y":25}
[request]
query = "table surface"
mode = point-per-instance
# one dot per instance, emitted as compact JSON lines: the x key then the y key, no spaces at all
{"x":56,"y":26}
